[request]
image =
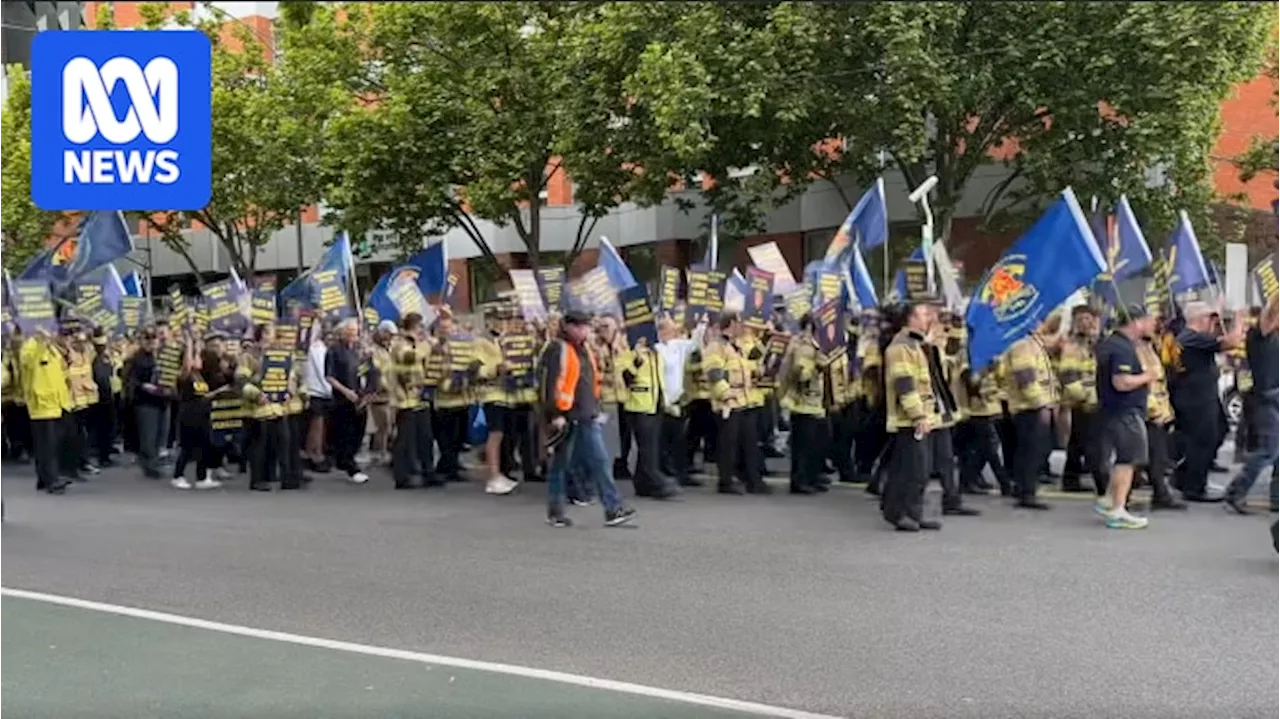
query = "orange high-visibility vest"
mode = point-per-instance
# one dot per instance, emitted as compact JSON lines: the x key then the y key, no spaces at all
{"x":570,"y":371}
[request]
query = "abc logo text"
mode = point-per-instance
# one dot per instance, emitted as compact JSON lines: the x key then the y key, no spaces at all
{"x":121,"y":120}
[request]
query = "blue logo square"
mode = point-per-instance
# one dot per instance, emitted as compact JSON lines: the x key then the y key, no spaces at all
{"x":121,"y":120}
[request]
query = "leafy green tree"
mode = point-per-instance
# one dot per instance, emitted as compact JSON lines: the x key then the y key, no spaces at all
{"x":465,"y":111}
{"x":267,"y":136}
{"x":26,"y":228}
{"x":1109,"y":98}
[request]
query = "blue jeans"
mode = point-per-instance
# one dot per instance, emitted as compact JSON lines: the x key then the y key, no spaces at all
{"x":583,"y":449}
{"x":1266,"y":423}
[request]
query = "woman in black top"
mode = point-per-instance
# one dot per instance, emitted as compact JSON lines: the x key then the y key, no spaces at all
{"x":195,"y":389}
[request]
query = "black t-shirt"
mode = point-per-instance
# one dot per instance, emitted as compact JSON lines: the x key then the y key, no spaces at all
{"x":1264,"y":360}
{"x":343,"y":364}
{"x":144,"y":372}
{"x":1198,"y":368}
{"x":1118,"y":355}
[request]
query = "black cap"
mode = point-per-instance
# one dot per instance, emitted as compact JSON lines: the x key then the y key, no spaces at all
{"x":1133,"y":312}
{"x":576,"y":317}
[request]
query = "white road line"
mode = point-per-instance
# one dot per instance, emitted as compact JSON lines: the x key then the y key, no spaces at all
{"x":511,"y":669}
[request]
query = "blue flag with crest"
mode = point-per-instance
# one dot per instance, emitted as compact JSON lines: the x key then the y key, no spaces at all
{"x":102,"y":238}
{"x":1057,"y":256}
{"x":1187,"y":269}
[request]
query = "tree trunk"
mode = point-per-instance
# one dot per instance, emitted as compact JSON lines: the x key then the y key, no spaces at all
{"x":534,"y":239}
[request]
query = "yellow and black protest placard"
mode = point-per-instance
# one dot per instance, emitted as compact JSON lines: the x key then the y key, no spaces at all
{"x":169,"y":365}
{"x":226,"y":419}
{"x":33,"y":306}
{"x":517,"y":352}
{"x":276,"y":365}
{"x":637,"y":316}
{"x":668,"y":287}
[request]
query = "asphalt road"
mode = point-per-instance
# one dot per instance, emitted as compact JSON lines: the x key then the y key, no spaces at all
{"x":802,"y":602}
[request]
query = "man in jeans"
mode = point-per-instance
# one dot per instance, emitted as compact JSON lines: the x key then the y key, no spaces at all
{"x":572,"y":398}
{"x":151,"y":404}
{"x":1263,"y":358}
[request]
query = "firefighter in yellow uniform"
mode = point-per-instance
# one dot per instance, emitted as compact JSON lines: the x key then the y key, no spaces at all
{"x":801,"y":391}
{"x":728,"y":375}
{"x":295,"y":412}
{"x":521,"y":388}
{"x":84,"y":394}
{"x":489,"y":391}
{"x":641,"y":371}
{"x":869,"y":440}
{"x":1032,"y":388}
{"x":948,"y":364}
{"x":13,"y":407}
{"x":751,"y":348}
{"x":701,"y":430}
{"x":411,"y":451}
{"x":47,"y":395}
{"x":609,"y":344}
{"x":1159,"y":428}
{"x":840,"y":395}
{"x":911,"y":412}
{"x":1077,"y":370}
{"x":452,"y":397}
{"x":979,"y":443}
{"x":267,"y":444}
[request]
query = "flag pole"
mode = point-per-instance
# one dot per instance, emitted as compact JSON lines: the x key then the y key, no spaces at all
{"x":351,"y":269}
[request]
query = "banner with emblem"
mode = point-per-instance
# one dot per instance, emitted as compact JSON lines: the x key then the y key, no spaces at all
{"x":1053,"y":259}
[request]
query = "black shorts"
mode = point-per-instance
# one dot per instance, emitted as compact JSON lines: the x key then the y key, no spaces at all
{"x":319,"y":406}
{"x":495,"y":416}
{"x":1126,"y":435}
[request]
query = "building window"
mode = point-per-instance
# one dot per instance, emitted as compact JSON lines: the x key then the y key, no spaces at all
{"x":485,"y":275}
{"x":642,"y":260}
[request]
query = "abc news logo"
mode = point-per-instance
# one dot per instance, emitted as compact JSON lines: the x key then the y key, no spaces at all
{"x":120,"y":120}
{"x":87,"y":113}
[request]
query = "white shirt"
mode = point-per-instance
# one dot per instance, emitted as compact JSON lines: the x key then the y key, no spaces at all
{"x":317,"y":385}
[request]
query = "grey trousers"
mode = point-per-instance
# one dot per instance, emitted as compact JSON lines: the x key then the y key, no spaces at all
{"x":153,"y":428}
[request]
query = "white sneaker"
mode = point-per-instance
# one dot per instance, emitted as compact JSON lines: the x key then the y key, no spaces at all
{"x":358,"y":478}
{"x":1123,"y":520}
{"x":498,"y":484}
{"x":1103,"y":506}
{"x":222,"y":473}
{"x":180,"y":483}
{"x":208,"y":483}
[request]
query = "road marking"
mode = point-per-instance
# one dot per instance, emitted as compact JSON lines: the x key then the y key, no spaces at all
{"x":422,"y":658}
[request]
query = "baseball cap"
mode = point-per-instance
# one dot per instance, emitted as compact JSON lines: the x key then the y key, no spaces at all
{"x":1134,"y":312}
{"x":577,"y":317}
